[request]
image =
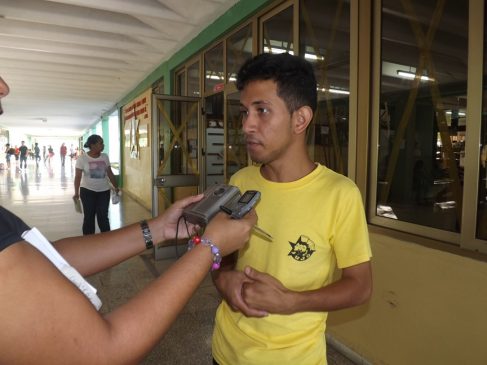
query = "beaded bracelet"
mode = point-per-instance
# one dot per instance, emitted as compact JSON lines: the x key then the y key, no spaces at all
{"x":217,"y":258}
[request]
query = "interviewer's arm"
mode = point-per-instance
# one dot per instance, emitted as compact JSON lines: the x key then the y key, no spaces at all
{"x":93,"y":253}
{"x":49,"y":321}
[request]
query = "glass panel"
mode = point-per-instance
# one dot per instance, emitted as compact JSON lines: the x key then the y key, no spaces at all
{"x":236,"y":149}
{"x":178,"y":137}
{"x":215,"y":139}
{"x":239,"y":49}
{"x":158,"y":88}
{"x":422,"y":119}
{"x":178,"y":146}
{"x":325,"y":42}
{"x":214,"y":77}
{"x":180,"y":85}
{"x":482,"y":197}
{"x":194,"y":80}
{"x":278,"y":33}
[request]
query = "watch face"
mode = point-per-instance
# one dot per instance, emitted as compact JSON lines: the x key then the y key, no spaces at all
{"x":147,"y":234}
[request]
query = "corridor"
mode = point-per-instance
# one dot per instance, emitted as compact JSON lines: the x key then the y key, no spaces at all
{"x":42,"y":196}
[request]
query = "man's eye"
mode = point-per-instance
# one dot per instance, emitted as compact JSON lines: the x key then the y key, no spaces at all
{"x":263,"y":110}
{"x":244,"y":113}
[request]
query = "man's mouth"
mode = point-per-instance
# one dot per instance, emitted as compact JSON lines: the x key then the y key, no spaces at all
{"x":251,"y":141}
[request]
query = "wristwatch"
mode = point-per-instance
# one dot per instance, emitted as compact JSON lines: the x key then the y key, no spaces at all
{"x":147,"y":234}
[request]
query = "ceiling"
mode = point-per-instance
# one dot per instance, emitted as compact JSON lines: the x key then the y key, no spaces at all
{"x":69,"y":61}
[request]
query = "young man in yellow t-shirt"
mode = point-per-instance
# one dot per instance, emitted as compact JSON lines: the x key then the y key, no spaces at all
{"x":277,"y":294}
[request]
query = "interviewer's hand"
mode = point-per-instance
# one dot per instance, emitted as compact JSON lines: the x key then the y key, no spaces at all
{"x":230,"y":234}
{"x":168,"y":221}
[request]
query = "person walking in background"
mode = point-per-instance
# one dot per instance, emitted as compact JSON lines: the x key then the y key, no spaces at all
{"x":92,"y":186}
{"x":37,"y":153}
{"x":63,"y":152}
{"x":50,"y":154}
{"x":23,"y":154}
{"x":16,"y":155}
{"x":44,"y":154}
{"x":8,"y":154}
{"x":71,"y":152}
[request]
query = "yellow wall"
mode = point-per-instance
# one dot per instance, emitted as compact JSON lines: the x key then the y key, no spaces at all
{"x":428,"y":307}
{"x":137,"y":181}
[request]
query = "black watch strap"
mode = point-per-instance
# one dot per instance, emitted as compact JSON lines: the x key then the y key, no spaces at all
{"x":147,"y":234}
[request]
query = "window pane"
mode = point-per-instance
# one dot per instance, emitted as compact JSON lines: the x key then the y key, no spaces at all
{"x":178,"y":137}
{"x":159,"y":87}
{"x":422,"y":119}
{"x":239,"y":49}
{"x":194,"y":80}
{"x":278,"y":33}
{"x":236,"y":149}
{"x":482,"y":203}
{"x":215,"y":140}
{"x":180,"y":86}
{"x":325,"y":42}
{"x":214,"y":69}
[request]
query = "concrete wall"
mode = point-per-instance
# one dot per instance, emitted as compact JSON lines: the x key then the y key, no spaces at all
{"x":428,"y":307}
{"x":137,"y":176}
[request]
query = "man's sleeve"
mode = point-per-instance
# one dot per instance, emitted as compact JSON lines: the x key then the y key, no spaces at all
{"x":351,"y":240}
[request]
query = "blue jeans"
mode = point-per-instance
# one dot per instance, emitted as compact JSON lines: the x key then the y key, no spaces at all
{"x":95,"y":203}
{"x":24,"y":160}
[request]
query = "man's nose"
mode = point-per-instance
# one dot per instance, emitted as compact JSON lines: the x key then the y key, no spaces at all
{"x":3,"y":88}
{"x":248,"y":124}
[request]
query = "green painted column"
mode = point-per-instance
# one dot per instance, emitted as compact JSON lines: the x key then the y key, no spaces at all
{"x":105,"y":133}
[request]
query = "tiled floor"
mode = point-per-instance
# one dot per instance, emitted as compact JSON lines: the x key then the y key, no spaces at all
{"x":41,"y":195}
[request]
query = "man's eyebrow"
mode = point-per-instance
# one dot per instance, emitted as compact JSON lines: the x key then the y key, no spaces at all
{"x":257,"y":102}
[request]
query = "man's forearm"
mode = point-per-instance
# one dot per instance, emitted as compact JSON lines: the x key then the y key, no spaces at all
{"x":344,"y":293}
{"x":268,"y":293}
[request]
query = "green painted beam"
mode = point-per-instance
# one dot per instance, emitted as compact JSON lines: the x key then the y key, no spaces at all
{"x":234,"y":16}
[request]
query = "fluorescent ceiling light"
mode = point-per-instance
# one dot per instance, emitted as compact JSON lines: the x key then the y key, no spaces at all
{"x":410,"y":76}
{"x":277,"y":50}
{"x":308,"y":56}
{"x":334,"y":91}
{"x":214,"y":77}
{"x":313,"y":57}
{"x":460,"y":114}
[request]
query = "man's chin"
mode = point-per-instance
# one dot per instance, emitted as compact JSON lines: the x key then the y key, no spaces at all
{"x":256,"y":159}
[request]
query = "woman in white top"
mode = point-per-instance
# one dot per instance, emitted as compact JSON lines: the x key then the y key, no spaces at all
{"x":91,"y":184}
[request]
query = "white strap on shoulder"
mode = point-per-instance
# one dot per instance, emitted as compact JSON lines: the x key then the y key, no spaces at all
{"x":36,"y":239}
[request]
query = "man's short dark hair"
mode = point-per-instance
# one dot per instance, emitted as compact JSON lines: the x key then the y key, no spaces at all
{"x":294,"y":76}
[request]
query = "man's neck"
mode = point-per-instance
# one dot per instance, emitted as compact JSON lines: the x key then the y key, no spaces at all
{"x":279,"y":171}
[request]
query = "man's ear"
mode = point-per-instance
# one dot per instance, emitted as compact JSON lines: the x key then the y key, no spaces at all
{"x":303,"y":117}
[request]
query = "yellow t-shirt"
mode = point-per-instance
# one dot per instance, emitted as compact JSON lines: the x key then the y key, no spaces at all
{"x":317,"y":224}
